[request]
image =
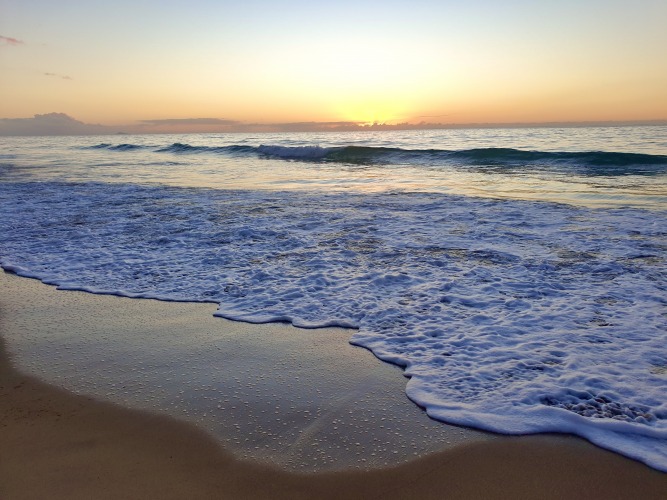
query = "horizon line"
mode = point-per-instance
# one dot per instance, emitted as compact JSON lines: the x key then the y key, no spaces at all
{"x":63,"y":124}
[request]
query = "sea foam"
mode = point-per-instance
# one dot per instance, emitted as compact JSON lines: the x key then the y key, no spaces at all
{"x":509,"y":316}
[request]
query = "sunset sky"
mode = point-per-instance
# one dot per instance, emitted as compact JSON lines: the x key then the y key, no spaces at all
{"x":261,"y":61}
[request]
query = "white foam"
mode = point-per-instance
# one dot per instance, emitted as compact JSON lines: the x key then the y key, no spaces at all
{"x":515,"y":317}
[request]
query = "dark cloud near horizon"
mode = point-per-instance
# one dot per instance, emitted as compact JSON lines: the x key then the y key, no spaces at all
{"x":303,"y":126}
{"x":50,"y":124}
{"x":190,"y":121}
{"x":8,"y":40}
{"x":63,"y":124}
{"x":317,"y":124}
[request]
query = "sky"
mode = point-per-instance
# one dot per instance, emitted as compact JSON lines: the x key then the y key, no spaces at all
{"x":168,"y":65}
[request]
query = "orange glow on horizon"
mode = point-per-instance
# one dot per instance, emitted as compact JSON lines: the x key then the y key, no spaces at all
{"x":426,"y":62}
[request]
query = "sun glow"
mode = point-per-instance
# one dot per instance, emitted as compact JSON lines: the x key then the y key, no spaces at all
{"x":368,"y":116}
{"x":370,"y":111}
{"x":295,"y":63}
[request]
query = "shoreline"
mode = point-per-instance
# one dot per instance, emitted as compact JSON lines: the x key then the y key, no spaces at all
{"x":299,"y":399}
{"x":58,"y":444}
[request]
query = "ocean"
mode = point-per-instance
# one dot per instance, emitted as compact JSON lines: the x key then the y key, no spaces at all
{"x":519,"y":276}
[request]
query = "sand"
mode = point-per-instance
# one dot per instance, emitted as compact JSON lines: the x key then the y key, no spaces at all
{"x":58,"y":444}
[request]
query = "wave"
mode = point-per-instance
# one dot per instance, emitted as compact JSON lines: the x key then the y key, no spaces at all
{"x":117,"y":147}
{"x":599,"y":163}
{"x":181,"y":148}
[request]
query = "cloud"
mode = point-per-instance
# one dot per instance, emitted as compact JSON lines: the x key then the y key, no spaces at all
{"x":189,"y":121}
{"x":50,"y":124}
{"x":56,"y":75}
{"x":340,"y":126}
{"x":63,"y":124}
{"x":298,"y":127}
{"x":185,"y":125}
{"x":315,"y":126}
{"x":7,"y":40}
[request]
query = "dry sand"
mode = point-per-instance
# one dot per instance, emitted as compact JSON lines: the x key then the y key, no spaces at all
{"x":56,"y":444}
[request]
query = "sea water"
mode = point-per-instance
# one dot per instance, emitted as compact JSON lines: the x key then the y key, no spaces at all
{"x":518,"y":275}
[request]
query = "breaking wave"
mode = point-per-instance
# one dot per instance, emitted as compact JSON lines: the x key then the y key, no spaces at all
{"x":587,"y":163}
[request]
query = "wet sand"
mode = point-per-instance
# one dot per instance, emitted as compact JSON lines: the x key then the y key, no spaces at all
{"x":295,"y":401}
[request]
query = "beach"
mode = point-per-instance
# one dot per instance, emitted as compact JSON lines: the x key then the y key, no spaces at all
{"x":58,"y":444}
{"x":259,"y":250}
